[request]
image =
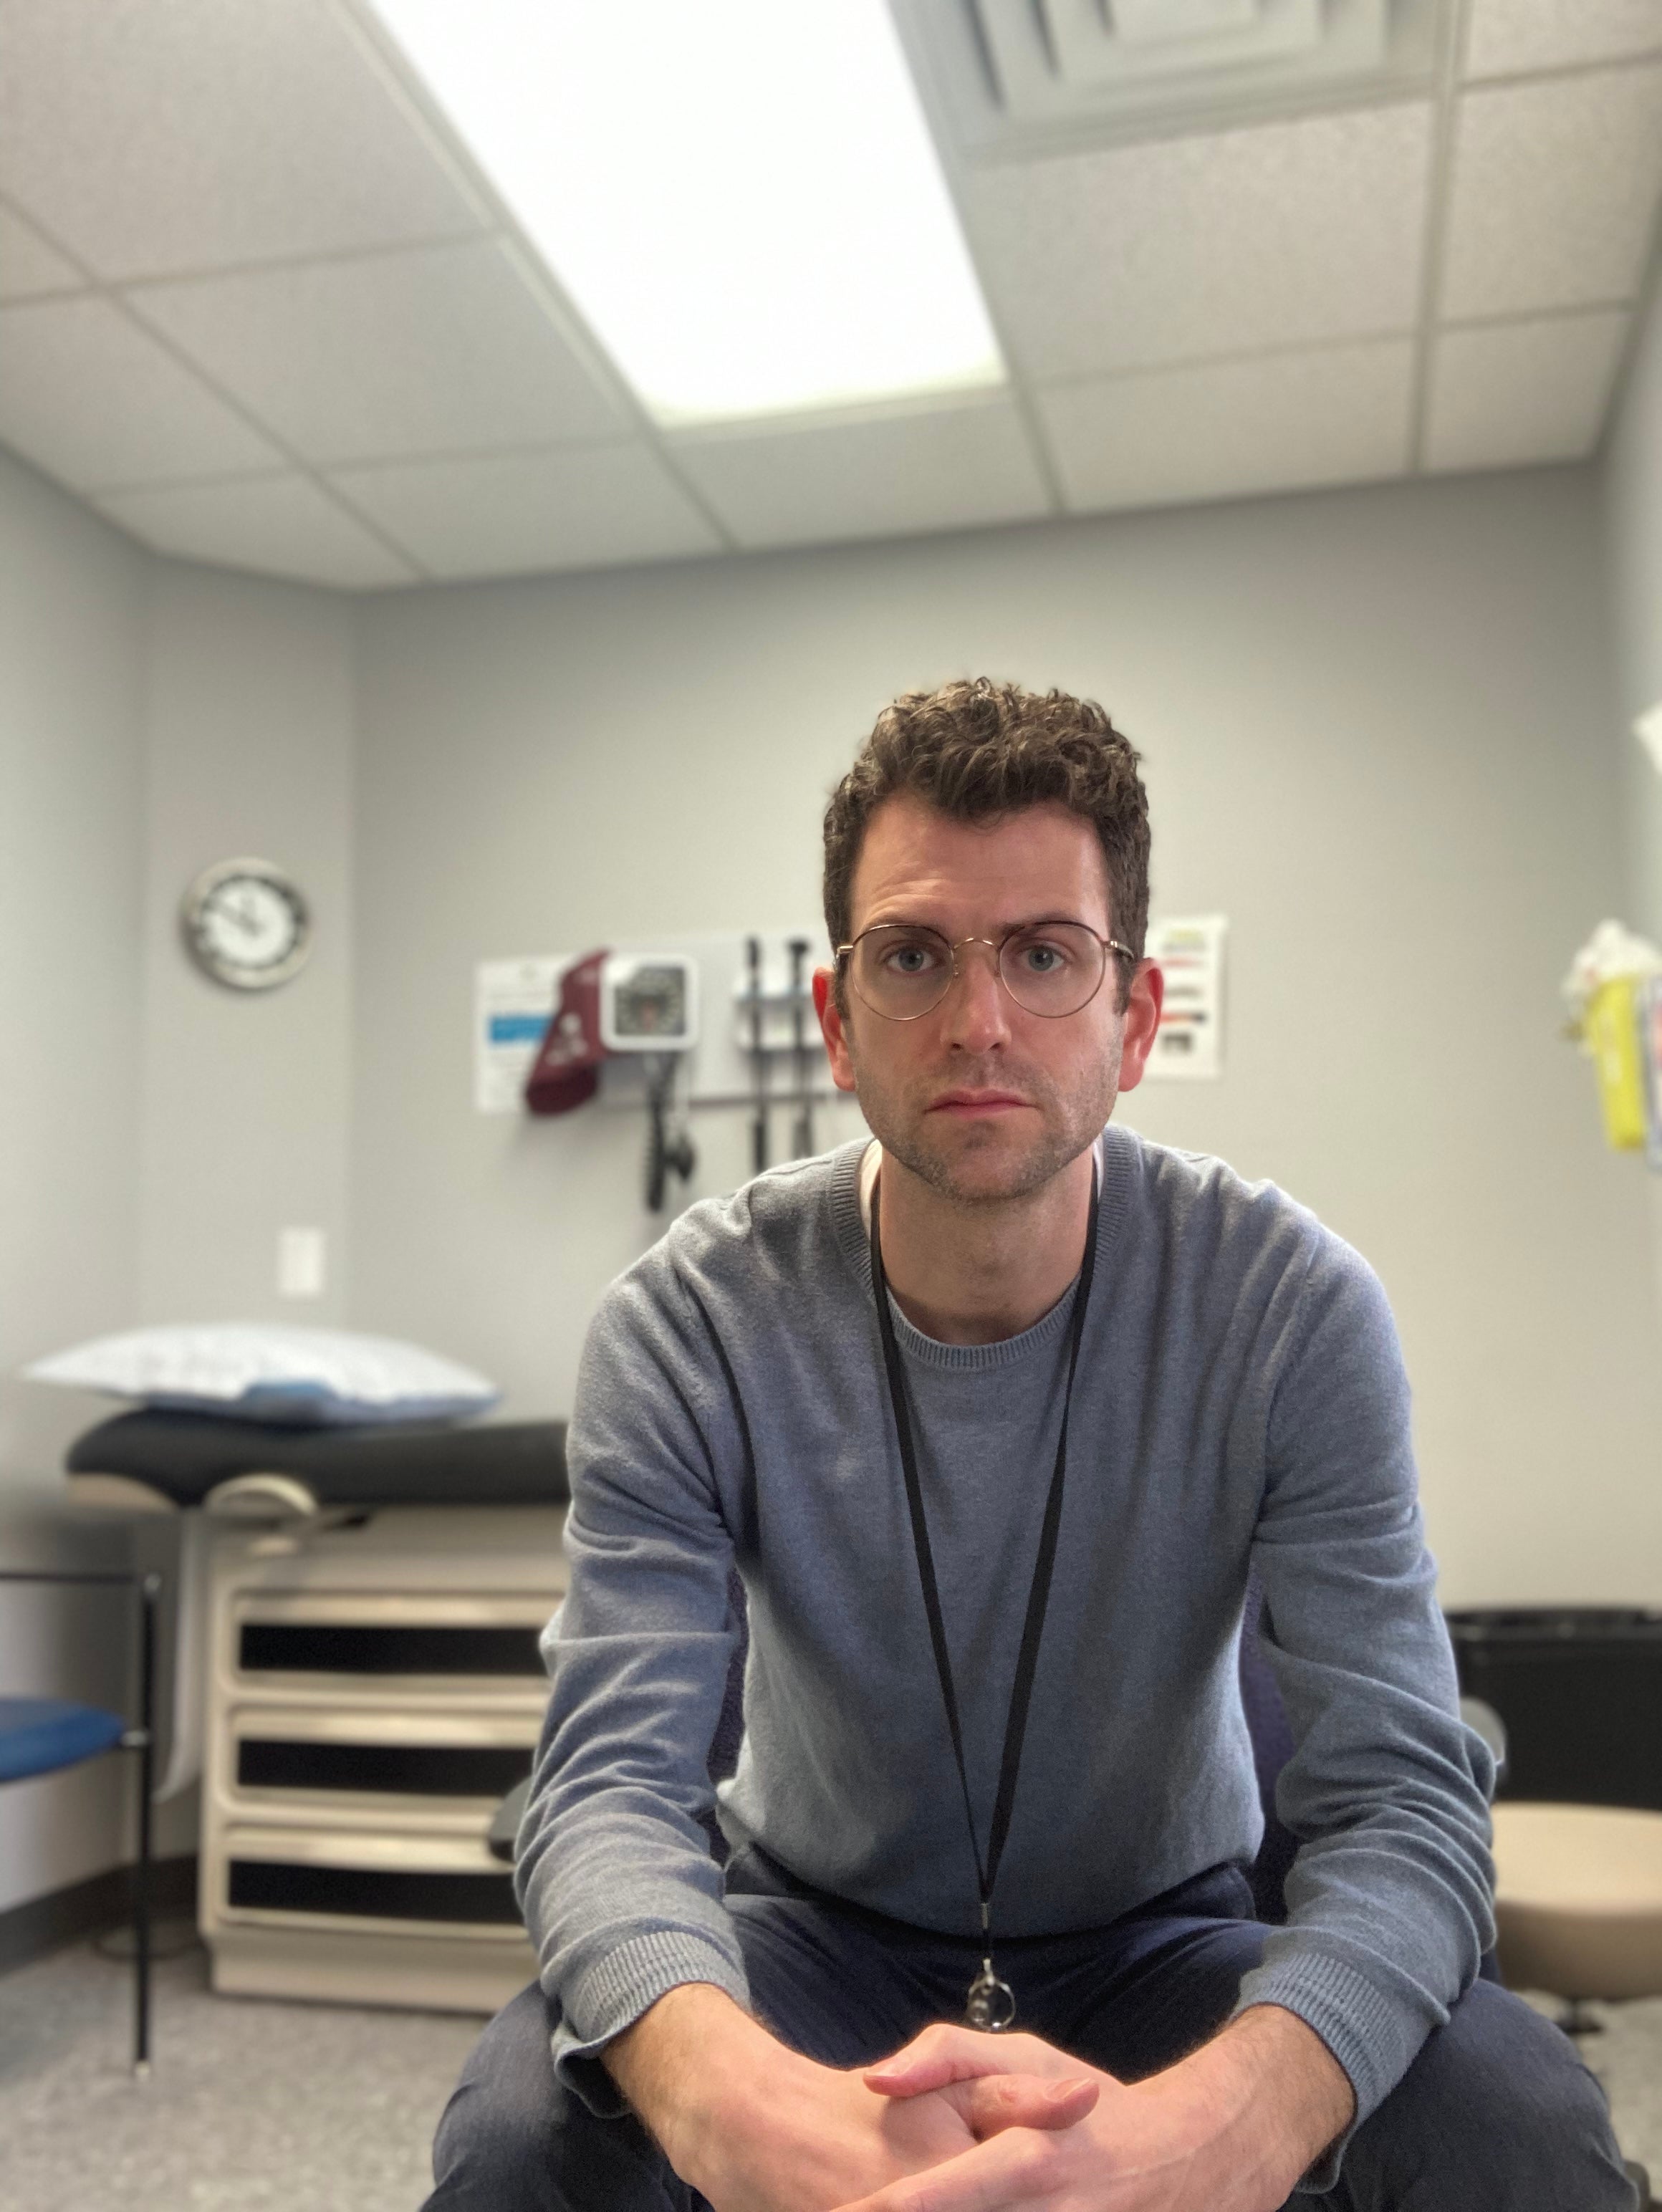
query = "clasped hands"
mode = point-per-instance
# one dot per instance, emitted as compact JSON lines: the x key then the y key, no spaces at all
{"x":1050,"y":2131}
{"x":960,"y":2121}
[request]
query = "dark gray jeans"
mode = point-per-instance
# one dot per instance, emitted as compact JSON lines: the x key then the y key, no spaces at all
{"x":1496,"y":2114}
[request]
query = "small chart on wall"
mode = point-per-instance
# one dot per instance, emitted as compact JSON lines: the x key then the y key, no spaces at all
{"x":513,"y":1003}
{"x":1188,"y":950}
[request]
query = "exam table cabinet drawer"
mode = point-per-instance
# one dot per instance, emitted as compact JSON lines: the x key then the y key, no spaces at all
{"x":408,"y":1649}
{"x":319,"y":1877}
{"x":371,"y":1893}
{"x":488,"y":1772}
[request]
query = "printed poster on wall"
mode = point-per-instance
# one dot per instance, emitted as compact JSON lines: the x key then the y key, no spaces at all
{"x":1189,"y":1043}
{"x":512,"y":1005}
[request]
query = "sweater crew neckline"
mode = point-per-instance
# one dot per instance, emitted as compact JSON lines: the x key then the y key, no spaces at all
{"x":1114,"y":1167}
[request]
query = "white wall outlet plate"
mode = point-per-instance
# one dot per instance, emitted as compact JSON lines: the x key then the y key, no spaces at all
{"x":1648,"y":728}
{"x":303,"y":1263}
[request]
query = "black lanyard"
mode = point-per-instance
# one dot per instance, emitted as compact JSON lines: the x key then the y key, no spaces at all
{"x":991,"y":2002}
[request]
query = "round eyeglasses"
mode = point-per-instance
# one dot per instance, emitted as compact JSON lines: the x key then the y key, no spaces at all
{"x":902,"y":971}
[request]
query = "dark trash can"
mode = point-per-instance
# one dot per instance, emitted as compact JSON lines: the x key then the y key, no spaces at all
{"x":1580,"y":1688}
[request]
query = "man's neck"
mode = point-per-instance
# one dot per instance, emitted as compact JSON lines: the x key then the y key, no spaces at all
{"x":976,"y":1275}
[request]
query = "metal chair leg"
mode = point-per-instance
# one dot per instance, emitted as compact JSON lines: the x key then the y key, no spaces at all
{"x":148,"y":1590}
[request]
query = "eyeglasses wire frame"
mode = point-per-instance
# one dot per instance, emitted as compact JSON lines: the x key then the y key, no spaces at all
{"x":996,"y":946}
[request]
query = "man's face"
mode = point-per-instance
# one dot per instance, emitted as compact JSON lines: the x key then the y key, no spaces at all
{"x":981,"y":1099}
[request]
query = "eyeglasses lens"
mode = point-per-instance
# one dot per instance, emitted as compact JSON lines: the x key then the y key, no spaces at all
{"x":1053,"y":969}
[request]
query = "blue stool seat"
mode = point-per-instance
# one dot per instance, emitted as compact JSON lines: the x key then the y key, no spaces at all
{"x":39,"y":1734}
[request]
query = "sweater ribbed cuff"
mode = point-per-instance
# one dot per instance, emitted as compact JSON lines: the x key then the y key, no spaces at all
{"x":612,"y":1994}
{"x":1373,"y":2037}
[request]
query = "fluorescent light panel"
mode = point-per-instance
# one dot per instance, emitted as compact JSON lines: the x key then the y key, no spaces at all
{"x":740,"y":196}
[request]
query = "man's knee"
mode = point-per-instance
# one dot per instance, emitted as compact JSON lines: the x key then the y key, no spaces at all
{"x":492,"y":2142}
{"x":1497,"y":2109}
{"x":513,"y":2138}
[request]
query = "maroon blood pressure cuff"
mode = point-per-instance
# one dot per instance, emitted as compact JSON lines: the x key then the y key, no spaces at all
{"x":566,"y":1072}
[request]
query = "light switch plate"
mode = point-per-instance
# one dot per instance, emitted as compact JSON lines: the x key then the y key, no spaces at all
{"x":303,"y":1258}
{"x":1648,"y":728}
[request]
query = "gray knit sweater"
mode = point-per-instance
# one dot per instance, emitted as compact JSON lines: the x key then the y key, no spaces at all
{"x":1240,"y":1402}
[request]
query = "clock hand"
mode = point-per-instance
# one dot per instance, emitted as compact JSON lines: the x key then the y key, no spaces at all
{"x":245,"y":919}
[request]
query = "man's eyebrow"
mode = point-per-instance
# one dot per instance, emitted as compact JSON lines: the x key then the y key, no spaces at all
{"x":881,"y":921}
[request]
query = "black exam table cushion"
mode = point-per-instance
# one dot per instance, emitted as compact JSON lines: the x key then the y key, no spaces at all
{"x":184,"y":1455}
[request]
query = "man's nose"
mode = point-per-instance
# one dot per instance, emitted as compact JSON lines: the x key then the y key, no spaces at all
{"x":977,"y":1008}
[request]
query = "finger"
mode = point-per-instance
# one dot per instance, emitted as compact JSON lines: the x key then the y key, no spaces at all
{"x":942,"y":2054}
{"x":1009,"y":2170}
{"x":997,"y":2101}
{"x":939,"y":2053}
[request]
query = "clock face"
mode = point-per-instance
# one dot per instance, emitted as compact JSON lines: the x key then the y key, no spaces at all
{"x":247,"y":925}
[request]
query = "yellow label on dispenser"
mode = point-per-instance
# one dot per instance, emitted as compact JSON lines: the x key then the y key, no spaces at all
{"x":1612,"y":1031}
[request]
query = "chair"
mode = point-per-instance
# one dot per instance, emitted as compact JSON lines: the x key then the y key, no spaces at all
{"x":39,"y":1736}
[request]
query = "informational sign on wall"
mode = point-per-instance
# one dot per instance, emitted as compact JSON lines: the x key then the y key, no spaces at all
{"x":1190,"y":950}
{"x":512,"y":1002}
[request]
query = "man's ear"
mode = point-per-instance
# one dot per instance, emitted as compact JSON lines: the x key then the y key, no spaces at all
{"x":832,"y":1028}
{"x":1142,"y":1006}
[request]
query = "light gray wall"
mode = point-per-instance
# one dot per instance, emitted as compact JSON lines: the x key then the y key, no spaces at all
{"x":244,"y":1097}
{"x":249,"y":724}
{"x":71,"y":853}
{"x":1373,"y":723}
{"x":155,"y":1130}
{"x":1632,"y":490}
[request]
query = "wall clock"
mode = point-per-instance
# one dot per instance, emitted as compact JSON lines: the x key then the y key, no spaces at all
{"x":246,"y":924}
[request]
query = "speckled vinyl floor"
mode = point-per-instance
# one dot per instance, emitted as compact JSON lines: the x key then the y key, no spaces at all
{"x":252,"y":2104}
{"x":260,"y":2106}
{"x":1627,"y":2056}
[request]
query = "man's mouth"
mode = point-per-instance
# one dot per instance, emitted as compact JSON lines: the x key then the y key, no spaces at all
{"x":969,"y":1105}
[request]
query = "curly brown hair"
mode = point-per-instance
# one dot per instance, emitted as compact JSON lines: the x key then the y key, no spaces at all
{"x":976,"y":749}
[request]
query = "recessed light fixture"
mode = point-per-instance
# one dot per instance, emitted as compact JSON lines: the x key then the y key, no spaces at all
{"x":741,"y":197}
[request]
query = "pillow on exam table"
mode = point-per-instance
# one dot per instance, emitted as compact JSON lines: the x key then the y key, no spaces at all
{"x":258,"y":1372}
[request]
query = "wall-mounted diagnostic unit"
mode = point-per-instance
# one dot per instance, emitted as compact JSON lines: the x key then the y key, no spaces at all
{"x":649,"y":1003}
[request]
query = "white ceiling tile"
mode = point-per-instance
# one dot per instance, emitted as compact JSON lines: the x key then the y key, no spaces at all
{"x":444,"y":349}
{"x":1555,"y":190}
{"x":1284,"y":233}
{"x":28,"y":266}
{"x":875,"y":476}
{"x":1279,"y":422}
{"x":1508,"y":37}
{"x":277,"y":525}
{"x":584,"y":507}
{"x":166,"y":135}
{"x":1510,"y":393}
{"x":95,"y":401}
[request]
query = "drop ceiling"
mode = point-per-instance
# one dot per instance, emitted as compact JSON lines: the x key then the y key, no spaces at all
{"x":259,"y":308}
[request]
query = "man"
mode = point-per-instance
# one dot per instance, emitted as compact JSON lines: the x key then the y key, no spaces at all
{"x":994,"y":1416}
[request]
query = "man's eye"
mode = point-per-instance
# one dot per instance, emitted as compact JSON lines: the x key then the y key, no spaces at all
{"x":1043,"y":959}
{"x":911,"y":959}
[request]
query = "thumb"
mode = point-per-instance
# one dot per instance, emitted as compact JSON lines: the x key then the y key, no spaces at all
{"x":992,"y":2102}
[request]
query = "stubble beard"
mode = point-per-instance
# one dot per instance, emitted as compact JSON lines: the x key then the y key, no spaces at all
{"x":955,"y":1160}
